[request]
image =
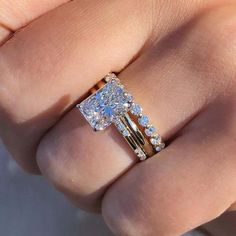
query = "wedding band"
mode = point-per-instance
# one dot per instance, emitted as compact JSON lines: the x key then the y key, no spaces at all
{"x":109,"y":104}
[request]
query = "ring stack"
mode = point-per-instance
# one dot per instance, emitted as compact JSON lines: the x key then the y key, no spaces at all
{"x":111,"y":104}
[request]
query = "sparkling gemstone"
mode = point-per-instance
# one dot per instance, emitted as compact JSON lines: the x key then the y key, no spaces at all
{"x":136,"y":109}
{"x":120,"y":126}
{"x":110,"y":76}
{"x":149,"y":131}
{"x":155,"y":140}
{"x":128,"y":100}
{"x":139,"y":152}
{"x":100,"y":109}
{"x":125,"y":132}
{"x":160,"y":147}
{"x":143,"y":121}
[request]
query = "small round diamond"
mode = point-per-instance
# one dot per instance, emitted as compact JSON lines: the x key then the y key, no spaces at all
{"x":136,"y":109}
{"x":126,"y":105}
{"x":155,"y":140}
{"x":143,"y":121}
{"x":98,"y":126}
{"x":125,"y":132}
{"x":150,"y":130}
{"x":160,"y":147}
{"x":142,"y":156}
{"x":129,"y":98}
{"x":120,"y":126}
{"x":109,"y":76}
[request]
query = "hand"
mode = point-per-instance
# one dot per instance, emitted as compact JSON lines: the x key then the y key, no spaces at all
{"x":179,"y":61}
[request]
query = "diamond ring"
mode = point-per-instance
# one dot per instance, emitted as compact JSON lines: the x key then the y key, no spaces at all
{"x":110,"y":104}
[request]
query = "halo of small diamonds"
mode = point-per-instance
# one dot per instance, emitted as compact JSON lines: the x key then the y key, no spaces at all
{"x":109,"y":102}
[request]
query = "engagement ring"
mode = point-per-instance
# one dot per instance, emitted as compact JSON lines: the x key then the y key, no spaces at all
{"x":110,"y":104}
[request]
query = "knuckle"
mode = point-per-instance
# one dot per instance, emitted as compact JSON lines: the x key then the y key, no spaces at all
{"x":56,"y":165}
{"x":134,"y":213}
{"x":46,"y":157}
{"x":217,"y":38}
{"x":53,"y":167}
{"x":211,"y":48}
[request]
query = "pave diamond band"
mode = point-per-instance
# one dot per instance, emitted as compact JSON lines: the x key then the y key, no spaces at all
{"x":112,"y":104}
{"x":133,"y":135}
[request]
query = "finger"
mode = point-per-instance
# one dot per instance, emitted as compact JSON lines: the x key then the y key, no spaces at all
{"x":55,"y":61}
{"x":16,"y":14}
{"x":4,"y":33}
{"x":192,"y":181}
{"x":57,"y":48}
{"x":97,"y":160}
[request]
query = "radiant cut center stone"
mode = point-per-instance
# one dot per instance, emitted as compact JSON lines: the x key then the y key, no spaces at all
{"x":111,"y":101}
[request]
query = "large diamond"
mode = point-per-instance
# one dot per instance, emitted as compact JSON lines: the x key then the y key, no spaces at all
{"x":111,"y":101}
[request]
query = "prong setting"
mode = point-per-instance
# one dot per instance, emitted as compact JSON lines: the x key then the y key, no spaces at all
{"x":109,"y":102}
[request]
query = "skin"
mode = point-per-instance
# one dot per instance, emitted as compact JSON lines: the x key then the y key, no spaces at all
{"x":179,"y":61}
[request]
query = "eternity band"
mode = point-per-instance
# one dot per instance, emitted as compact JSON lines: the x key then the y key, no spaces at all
{"x":109,"y":103}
